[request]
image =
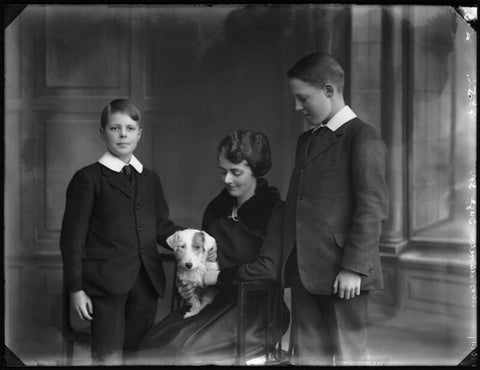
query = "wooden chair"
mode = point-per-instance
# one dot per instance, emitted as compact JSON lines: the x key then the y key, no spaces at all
{"x":274,"y":355}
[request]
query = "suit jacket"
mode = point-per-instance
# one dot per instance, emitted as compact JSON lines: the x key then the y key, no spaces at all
{"x":109,"y":229}
{"x":336,"y":202}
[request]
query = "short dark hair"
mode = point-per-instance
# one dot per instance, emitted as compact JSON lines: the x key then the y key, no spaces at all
{"x":120,"y":106}
{"x":317,"y":69}
{"x":250,"y":146}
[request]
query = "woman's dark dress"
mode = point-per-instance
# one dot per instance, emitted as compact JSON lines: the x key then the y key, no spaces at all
{"x":248,"y":249}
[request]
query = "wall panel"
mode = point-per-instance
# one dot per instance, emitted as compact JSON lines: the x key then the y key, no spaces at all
{"x":433,"y":73}
{"x":161,"y":74}
{"x":438,"y":285}
{"x":85,"y":52}
{"x":12,"y":204}
{"x":365,"y":76}
{"x":70,"y":143}
{"x":12,"y":67}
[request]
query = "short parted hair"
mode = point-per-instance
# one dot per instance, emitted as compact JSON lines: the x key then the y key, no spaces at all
{"x":251,"y":146}
{"x":318,"y":69}
{"x":120,"y":106}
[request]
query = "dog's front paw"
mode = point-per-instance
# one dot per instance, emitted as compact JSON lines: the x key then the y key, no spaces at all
{"x":189,"y":314}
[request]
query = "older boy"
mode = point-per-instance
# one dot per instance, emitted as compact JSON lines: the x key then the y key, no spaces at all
{"x":336,"y":202}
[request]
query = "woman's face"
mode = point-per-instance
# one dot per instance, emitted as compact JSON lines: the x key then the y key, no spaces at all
{"x":238,"y":178}
{"x":312,"y":101}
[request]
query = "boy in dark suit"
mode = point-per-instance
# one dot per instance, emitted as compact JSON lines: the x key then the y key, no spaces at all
{"x":114,"y":217}
{"x":336,"y":203}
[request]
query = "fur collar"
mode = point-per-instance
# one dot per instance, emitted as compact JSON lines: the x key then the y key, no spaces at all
{"x":254,"y":214}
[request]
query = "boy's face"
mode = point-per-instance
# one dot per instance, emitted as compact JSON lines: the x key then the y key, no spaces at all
{"x":121,"y":135}
{"x":312,"y":101}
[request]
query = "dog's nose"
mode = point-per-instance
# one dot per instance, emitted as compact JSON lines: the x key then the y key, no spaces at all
{"x":188,"y":265}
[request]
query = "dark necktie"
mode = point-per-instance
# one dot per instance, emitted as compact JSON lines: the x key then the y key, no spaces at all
{"x":127,"y":171}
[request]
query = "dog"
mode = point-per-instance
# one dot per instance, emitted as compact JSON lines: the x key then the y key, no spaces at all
{"x":190,"y":247}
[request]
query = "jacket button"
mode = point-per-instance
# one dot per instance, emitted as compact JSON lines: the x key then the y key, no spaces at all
{"x":137,"y":206}
{"x":300,"y":196}
{"x":142,"y":250}
{"x":139,"y":228}
{"x":370,"y":271}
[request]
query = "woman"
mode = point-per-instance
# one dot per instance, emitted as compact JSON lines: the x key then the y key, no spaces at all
{"x":246,"y":220}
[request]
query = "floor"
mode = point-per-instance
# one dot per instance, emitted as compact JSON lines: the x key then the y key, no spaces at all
{"x":408,"y":338}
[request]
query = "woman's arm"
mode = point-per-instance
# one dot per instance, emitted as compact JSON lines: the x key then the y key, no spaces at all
{"x":267,"y":265}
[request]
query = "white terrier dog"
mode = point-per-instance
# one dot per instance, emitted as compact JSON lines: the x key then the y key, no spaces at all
{"x":191,"y":247}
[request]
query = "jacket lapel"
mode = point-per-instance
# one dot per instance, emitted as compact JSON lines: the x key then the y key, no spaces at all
{"x":119,"y":181}
{"x":329,"y":139}
{"x":142,"y":186}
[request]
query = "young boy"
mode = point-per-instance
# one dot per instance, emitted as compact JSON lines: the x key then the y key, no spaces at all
{"x":336,"y":203}
{"x":114,"y":217}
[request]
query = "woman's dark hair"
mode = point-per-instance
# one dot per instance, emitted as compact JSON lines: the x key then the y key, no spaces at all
{"x":317,"y":69}
{"x":120,"y":106}
{"x":250,"y":146}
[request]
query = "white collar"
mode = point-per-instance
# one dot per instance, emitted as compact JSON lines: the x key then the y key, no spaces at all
{"x":339,"y":119}
{"x":116,"y":164}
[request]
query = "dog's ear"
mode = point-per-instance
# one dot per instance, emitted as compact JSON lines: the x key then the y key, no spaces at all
{"x":210,"y":242}
{"x":172,"y":240}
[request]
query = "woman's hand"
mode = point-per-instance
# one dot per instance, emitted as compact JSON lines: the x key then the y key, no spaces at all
{"x":82,"y":304}
{"x":212,"y":254}
{"x":185,"y":289}
{"x":347,"y":283}
{"x":210,"y":277}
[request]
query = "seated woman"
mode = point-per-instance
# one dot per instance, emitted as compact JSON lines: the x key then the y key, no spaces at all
{"x":246,"y":220}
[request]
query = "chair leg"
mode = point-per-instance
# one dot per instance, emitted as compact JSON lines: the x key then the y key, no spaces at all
{"x":242,"y":297}
{"x":68,"y":351}
{"x":273,"y":310}
{"x":67,"y":342}
{"x":278,"y":313}
{"x":274,"y":350}
{"x":292,"y":338}
{"x":268,"y":340}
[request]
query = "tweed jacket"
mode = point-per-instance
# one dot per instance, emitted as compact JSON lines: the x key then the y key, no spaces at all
{"x":336,"y":203}
{"x":108,"y":229}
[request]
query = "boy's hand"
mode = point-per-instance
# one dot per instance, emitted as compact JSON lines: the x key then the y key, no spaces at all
{"x":82,"y":304}
{"x":185,"y":289}
{"x":347,"y":284}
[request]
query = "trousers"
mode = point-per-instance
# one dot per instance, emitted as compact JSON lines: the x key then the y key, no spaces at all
{"x":120,"y":322}
{"x":327,"y":330}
